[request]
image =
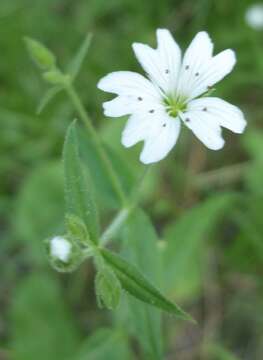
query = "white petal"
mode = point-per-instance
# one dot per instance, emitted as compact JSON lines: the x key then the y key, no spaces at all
{"x":219,"y":66}
{"x":128,"y":83}
{"x":158,"y":130}
{"x":161,"y":64}
{"x":160,"y":142}
{"x":205,"y":128}
{"x":196,"y":58}
{"x":227,"y":115}
{"x":136,"y":129}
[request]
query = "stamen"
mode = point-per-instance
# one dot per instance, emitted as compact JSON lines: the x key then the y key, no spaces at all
{"x":151,"y":111}
{"x":164,"y":125}
{"x":197,"y":74}
{"x":187,"y":120}
{"x":167,"y":71}
{"x":140,"y":98}
{"x":187,"y":67}
{"x":205,"y":109}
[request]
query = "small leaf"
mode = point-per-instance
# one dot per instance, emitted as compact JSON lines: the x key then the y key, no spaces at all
{"x":49,"y":95}
{"x":41,"y":55}
{"x":108,"y":288}
{"x":76,"y":63}
{"x":137,"y":285}
{"x":79,"y":199}
{"x":56,"y":77}
{"x":77,"y":229}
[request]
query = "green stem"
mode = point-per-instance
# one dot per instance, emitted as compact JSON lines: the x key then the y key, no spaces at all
{"x":96,"y":140}
{"x":124,"y":213}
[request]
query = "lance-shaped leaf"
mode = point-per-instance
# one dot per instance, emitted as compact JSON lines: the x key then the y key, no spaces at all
{"x":78,"y":194}
{"x":77,"y":61}
{"x":48,"y":97}
{"x":137,"y":285}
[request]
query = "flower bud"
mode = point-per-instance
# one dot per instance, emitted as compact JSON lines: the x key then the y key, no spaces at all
{"x":42,"y":56}
{"x":64,"y":254}
{"x":55,"y":77}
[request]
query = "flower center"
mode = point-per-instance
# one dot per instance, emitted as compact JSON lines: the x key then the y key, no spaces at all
{"x":173,"y":106}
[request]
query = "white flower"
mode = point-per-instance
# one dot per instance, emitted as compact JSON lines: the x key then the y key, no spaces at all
{"x":172,"y":95}
{"x":60,"y":248}
{"x":254,"y":16}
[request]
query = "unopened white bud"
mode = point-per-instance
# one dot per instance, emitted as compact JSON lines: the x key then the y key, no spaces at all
{"x":254,"y":16}
{"x":60,"y":248}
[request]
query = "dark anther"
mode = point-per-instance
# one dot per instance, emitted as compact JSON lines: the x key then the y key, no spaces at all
{"x":187,"y":67}
{"x":140,"y":98}
{"x":209,"y":87}
{"x":187,"y":120}
{"x":164,"y":125}
{"x":151,"y":111}
{"x":167,"y":71}
{"x":205,"y":109}
{"x":197,"y":74}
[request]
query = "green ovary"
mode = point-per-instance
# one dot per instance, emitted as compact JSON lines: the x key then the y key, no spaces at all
{"x":173,"y":106}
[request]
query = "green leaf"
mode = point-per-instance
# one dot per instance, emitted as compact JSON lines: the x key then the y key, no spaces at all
{"x":47,"y":97}
{"x":76,"y":63}
{"x":104,"y":192}
{"x":137,"y":285}
{"x":41,"y":55}
{"x":184,"y":250}
{"x":104,"y":344}
{"x":146,"y":321}
{"x":108,"y":288}
{"x":78,"y":193}
{"x":41,"y":325}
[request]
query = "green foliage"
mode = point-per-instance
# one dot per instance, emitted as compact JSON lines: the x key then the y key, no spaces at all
{"x":40,"y":321}
{"x":184,"y":251}
{"x":41,"y":198}
{"x":141,"y":248}
{"x":104,"y":344}
{"x":40,"y":54}
{"x":78,"y":192}
{"x":192,"y":223}
{"x":108,"y":288}
{"x":139,"y":286}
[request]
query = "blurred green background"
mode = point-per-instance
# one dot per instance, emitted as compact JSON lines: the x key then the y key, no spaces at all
{"x":206,"y":206}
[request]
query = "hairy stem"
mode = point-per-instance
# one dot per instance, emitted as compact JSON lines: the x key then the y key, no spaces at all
{"x":124,"y":213}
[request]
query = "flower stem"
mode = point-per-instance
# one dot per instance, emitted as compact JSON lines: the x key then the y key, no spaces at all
{"x":124,"y":213}
{"x":70,"y":90}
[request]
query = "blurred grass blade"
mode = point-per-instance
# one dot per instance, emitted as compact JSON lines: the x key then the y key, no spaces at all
{"x":104,"y":344}
{"x":77,"y":61}
{"x":137,"y":285}
{"x":146,"y":320}
{"x":47,"y":97}
{"x":183,"y":255}
{"x":78,"y":194}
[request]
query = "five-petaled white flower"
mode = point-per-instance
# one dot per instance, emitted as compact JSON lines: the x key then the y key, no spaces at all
{"x":172,"y":95}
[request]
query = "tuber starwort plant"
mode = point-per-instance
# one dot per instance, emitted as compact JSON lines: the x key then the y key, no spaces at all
{"x":177,"y":91}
